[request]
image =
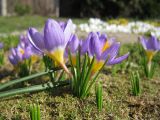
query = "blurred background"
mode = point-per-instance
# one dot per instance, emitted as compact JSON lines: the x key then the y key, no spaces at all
{"x":83,"y":8}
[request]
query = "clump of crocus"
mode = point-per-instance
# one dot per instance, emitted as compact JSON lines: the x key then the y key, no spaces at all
{"x":151,"y":47}
{"x":103,"y":48}
{"x":53,"y":41}
{"x":98,"y":51}
{"x":22,"y":56}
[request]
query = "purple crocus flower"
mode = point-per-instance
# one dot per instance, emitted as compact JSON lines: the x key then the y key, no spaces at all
{"x":16,"y":56}
{"x":1,"y":45}
{"x":24,"y":50}
{"x":53,"y":41}
{"x":151,"y":46}
{"x":103,"y":49}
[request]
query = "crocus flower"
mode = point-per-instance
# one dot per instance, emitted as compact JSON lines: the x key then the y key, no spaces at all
{"x":103,"y":49}
{"x":151,"y":46}
{"x":53,"y":41}
{"x":1,"y":45}
{"x":24,"y":50}
{"x":13,"y":57}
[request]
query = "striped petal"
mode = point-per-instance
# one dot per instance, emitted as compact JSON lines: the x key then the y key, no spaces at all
{"x":36,"y":39}
{"x":53,"y":35}
{"x":95,"y":45}
{"x":118,"y":60}
{"x":111,"y":52}
{"x":12,"y":60}
{"x":68,"y":30}
{"x":143,"y":42}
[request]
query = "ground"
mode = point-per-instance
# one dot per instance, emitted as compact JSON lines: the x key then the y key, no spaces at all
{"x":60,"y":103}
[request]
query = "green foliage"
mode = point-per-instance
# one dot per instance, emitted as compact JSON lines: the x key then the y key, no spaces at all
{"x":21,"y":9}
{"x":35,"y":112}
{"x":1,"y":57}
{"x":135,"y":83}
{"x":149,"y":68}
{"x":81,"y":75}
{"x":9,"y":41}
{"x":24,"y":68}
{"x":99,"y":98}
{"x":82,"y":79}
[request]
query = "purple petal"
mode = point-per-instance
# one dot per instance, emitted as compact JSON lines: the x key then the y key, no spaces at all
{"x":19,"y":54}
{"x":68,"y":30}
{"x":1,"y":45}
{"x":95,"y":45}
{"x":24,"y":40}
{"x":118,"y":60}
{"x":150,"y":44}
{"x":154,"y":43}
{"x":111,"y":53}
{"x":103,"y":38}
{"x":13,"y":51}
{"x":84,"y":45}
{"x":12,"y":60}
{"x":36,"y":39}
{"x":28,"y":53}
{"x":14,"y":57}
{"x":114,"y":51}
{"x":62,"y":24}
{"x":53,"y":34}
{"x":35,"y":51}
{"x":143,"y":42}
{"x":73,"y":43}
{"x":112,"y":40}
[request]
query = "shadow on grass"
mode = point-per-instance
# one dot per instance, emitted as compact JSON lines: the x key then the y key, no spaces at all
{"x":5,"y":73}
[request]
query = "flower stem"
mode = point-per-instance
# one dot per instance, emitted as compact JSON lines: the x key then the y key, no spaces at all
{"x":149,"y":68}
{"x":34,"y":88}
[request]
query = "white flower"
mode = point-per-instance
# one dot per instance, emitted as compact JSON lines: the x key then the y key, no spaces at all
{"x":95,"y":24}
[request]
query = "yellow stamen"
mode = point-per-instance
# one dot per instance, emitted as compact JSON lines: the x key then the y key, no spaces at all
{"x":57,"y":56}
{"x":97,"y":65}
{"x":150,"y":54}
{"x":21,"y":51}
{"x":106,"y":46}
{"x":73,"y":58}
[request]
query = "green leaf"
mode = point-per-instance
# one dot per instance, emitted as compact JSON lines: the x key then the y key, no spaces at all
{"x":95,"y":77}
{"x":12,"y":82}
{"x":86,"y":80}
{"x":34,"y":88}
{"x":135,"y":83}
{"x":99,"y":96}
{"x":38,"y":113}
